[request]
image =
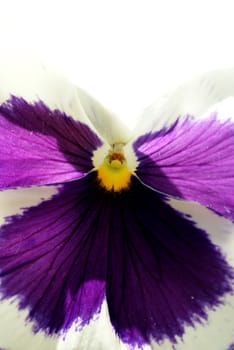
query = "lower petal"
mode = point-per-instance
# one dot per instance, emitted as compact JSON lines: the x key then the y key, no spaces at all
{"x":54,"y":260}
{"x":161,"y":275}
{"x":97,"y":335}
{"x":217,"y":332}
{"x":169,"y":274}
{"x":15,"y":334}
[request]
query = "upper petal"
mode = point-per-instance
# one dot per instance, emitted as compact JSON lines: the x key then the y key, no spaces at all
{"x":192,"y":159}
{"x":27,"y":76}
{"x":105,"y":122}
{"x":42,"y":146}
{"x":32,"y":79}
{"x":193,"y":97}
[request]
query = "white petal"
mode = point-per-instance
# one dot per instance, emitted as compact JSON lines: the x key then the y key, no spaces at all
{"x":218,"y":332}
{"x":219,"y":229}
{"x":27,"y":76}
{"x":97,"y":335}
{"x":13,"y":201}
{"x":193,"y":97}
{"x":215,"y":334}
{"x":224,"y":110}
{"x":16,"y":334}
{"x":105,"y":122}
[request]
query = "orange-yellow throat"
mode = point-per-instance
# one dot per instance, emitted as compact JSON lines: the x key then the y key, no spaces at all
{"x":114,"y":174}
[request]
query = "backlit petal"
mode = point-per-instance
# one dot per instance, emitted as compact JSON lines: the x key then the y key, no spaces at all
{"x":107,"y":124}
{"x":193,"y":97}
{"x":32,"y":79}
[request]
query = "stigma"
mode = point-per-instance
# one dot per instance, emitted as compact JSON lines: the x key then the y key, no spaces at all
{"x":113,"y":174}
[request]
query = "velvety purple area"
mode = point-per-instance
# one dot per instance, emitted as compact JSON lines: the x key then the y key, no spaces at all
{"x":39,"y":146}
{"x":157,"y":270}
{"x":231,"y":347}
{"x":196,"y":157}
{"x":54,"y":258}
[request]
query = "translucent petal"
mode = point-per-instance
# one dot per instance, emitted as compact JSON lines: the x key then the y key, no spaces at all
{"x":191,"y":98}
{"x":30,"y":78}
{"x":105,"y":122}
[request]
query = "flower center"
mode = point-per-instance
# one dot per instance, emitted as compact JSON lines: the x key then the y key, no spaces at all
{"x":113,"y":174}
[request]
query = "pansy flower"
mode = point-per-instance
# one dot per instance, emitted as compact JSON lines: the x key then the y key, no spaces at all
{"x":133,"y":249}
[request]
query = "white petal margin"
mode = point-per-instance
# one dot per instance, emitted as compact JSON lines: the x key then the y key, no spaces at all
{"x":217,"y":333}
{"x":15,"y":332}
{"x":26,"y":75}
{"x":194,"y":97}
{"x":97,"y":335}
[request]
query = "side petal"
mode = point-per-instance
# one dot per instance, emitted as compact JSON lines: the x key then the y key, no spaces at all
{"x":53,"y":259}
{"x":164,"y":274}
{"x":193,"y":97}
{"x":39,"y":146}
{"x":192,"y":160}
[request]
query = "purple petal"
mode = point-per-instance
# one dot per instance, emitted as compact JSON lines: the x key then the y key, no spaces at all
{"x":54,"y":259}
{"x":163,"y":272}
{"x":192,"y":160}
{"x":158,"y":271}
{"x":39,"y":146}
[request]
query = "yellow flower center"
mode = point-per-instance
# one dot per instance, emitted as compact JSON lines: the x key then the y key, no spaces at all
{"x":113,"y":174}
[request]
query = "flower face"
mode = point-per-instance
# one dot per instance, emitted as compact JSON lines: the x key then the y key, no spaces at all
{"x":115,"y":234}
{"x":113,"y":174}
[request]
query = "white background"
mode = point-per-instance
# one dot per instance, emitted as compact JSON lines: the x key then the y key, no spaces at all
{"x":125,"y":53}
